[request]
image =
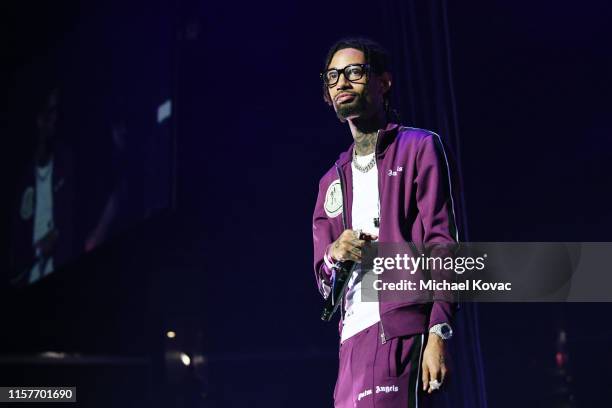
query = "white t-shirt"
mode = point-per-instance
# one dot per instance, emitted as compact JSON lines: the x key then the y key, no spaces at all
{"x":362,"y":314}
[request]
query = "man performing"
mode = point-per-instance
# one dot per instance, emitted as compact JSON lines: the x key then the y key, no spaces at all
{"x":392,"y":186}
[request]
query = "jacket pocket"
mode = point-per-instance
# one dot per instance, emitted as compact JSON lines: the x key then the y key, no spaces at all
{"x":402,"y":355}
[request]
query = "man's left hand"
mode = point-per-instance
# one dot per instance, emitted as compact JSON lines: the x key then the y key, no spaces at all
{"x":434,"y":364}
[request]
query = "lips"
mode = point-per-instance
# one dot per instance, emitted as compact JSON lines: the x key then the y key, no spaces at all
{"x":344,"y":97}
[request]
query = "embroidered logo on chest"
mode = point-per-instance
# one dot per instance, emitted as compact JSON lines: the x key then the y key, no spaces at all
{"x":395,"y":172}
{"x":333,"y":199}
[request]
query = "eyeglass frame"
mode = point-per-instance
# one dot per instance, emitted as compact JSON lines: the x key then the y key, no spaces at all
{"x":342,"y":71}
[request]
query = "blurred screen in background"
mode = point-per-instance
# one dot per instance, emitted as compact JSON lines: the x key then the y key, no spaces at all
{"x":90,"y":126}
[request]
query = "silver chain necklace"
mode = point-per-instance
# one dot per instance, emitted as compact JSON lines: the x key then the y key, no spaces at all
{"x":367,"y":167}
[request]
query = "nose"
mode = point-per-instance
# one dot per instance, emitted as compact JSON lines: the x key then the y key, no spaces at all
{"x":343,"y":83}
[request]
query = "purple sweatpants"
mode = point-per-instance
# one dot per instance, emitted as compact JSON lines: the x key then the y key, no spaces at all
{"x":376,"y":375}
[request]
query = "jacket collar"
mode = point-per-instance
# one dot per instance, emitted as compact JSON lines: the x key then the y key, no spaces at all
{"x":385,"y":138}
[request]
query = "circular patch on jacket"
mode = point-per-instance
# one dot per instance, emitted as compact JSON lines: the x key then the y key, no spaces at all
{"x":333,"y":199}
{"x":27,"y":204}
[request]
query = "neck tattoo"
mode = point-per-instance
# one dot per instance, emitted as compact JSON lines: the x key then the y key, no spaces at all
{"x":366,"y":143}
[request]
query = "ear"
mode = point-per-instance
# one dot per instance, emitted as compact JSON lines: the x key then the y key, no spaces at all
{"x":385,"y":81}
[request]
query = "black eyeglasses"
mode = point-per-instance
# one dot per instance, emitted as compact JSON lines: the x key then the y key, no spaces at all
{"x":353,"y":72}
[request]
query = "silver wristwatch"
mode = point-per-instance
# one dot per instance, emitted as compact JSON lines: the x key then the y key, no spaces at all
{"x":444,"y":330}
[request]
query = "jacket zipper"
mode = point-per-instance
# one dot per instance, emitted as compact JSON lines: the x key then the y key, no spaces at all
{"x":383,"y":337}
{"x":344,"y":223}
{"x":342,"y":189}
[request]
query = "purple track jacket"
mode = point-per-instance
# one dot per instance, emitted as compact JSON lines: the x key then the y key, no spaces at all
{"x":416,"y":205}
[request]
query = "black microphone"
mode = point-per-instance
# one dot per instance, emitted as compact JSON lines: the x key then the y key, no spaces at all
{"x":343,"y":271}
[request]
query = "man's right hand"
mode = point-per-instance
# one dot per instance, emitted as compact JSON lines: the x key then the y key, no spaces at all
{"x":348,"y":245}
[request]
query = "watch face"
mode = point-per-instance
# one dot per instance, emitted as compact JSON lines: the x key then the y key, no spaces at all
{"x":446,"y":331}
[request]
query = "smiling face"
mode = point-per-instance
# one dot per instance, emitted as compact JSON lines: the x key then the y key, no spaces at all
{"x":360,"y":98}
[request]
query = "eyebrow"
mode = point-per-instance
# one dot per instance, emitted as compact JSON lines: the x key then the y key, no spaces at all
{"x":352,"y":63}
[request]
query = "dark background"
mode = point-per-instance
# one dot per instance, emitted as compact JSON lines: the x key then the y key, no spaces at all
{"x":230,"y":267}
